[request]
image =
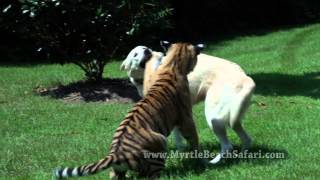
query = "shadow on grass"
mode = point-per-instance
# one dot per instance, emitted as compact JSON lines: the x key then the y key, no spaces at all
{"x":108,"y":90}
{"x":220,"y":37}
{"x":257,"y":155}
{"x":275,"y":84}
{"x":15,"y":58}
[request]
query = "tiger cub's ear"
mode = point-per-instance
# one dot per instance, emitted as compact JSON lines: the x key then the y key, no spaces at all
{"x":199,"y":48}
{"x":165,"y":45}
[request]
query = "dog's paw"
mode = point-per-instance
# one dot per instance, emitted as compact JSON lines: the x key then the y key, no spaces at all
{"x":217,"y":159}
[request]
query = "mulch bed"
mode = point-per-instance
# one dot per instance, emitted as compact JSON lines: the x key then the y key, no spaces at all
{"x":107,"y":91}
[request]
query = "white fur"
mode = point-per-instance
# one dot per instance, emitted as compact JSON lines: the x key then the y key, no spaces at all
{"x":224,"y":87}
{"x":75,"y":172}
{"x":65,"y":172}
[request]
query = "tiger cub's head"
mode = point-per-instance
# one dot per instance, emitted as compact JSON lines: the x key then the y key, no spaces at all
{"x":181,"y":56}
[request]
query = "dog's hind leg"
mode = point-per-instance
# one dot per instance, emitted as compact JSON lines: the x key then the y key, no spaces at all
{"x":242,"y":101}
{"x":243,"y":135}
{"x":219,"y":129}
{"x":237,"y":126}
{"x":217,"y":115}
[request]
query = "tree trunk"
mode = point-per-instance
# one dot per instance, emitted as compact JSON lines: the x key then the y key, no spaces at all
{"x":93,"y":70}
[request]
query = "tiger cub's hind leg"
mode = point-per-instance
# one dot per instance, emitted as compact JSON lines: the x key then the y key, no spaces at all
{"x":115,"y":174}
{"x":153,"y":156}
{"x":151,"y":167}
{"x":157,"y":143}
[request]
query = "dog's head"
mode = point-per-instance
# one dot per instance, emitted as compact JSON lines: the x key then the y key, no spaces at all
{"x":137,"y":58}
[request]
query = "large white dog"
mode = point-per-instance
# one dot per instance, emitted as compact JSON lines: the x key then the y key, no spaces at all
{"x":223,"y":85}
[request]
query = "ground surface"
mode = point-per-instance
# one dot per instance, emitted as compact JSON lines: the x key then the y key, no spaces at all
{"x":39,"y":133}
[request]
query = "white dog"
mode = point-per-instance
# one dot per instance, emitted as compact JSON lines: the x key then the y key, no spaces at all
{"x":223,"y":85}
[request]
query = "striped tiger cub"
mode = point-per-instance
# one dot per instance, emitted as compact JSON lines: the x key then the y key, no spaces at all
{"x":146,"y":126}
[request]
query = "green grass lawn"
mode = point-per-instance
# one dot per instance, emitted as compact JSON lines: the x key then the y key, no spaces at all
{"x":40,"y":133}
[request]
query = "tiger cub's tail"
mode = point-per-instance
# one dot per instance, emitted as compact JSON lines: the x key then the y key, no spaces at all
{"x":89,"y":169}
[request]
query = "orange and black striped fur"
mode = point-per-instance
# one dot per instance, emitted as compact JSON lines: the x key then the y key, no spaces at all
{"x":146,"y":126}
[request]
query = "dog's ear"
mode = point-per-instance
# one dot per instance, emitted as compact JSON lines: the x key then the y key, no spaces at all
{"x":165,"y":45}
{"x":147,"y":55}
{"x":199,"y":48}
{"x":147,"y":52}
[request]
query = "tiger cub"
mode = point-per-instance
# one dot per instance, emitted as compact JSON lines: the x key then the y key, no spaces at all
{"x":145,"y":128}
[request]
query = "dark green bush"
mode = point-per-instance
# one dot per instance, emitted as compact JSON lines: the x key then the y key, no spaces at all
{"x":87,"y":33}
